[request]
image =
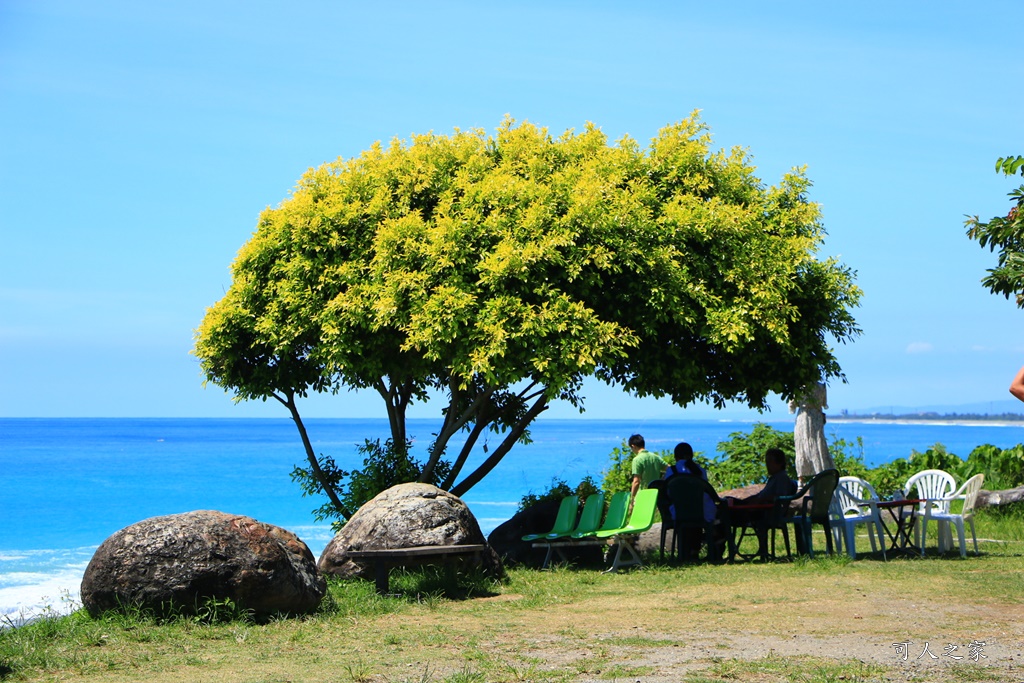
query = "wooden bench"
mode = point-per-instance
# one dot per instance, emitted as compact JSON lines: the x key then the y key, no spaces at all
{"x":384,"y":559}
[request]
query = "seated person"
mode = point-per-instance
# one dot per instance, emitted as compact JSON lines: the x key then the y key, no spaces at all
{"x":685,"y":465}
{"x":778,"y":484}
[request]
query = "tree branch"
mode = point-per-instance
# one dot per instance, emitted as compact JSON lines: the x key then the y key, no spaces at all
{"x":506,"y":445}
{"x":311,"y":455}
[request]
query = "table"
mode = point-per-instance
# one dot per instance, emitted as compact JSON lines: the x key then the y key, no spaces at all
{"x":384,"y":559}
{"x":904,"y":515}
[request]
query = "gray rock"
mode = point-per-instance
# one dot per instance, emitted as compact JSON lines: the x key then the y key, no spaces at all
{"x":172,"y":564}
{"x":404,"y":516}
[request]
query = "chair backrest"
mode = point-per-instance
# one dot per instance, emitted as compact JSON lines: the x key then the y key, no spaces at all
{"x":566,"y":519}
{"x":590,"y":518}
{"x":686,"y":494}
{"x":617,"y":509}
{"x":820,"y":490}
{"x":850,"y":491}
{"x":971,"y":489}
{"x":932,"y":484}
{"x":644,"y":506}
{"x":663,"y":501}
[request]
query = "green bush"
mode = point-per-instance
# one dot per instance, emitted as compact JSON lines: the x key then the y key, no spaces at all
{"x":1003,"y":468}
{"x":893,"y":476}
{"x":848,"y":457}
{"x":558,"y":490}
{"x":741,"y":462}
{"x":383,"y":467}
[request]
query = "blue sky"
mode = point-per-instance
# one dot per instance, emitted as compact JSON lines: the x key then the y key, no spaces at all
{"x":141,"y":140}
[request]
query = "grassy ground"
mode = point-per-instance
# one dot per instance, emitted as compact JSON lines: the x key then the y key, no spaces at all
{"x":827,"y":619}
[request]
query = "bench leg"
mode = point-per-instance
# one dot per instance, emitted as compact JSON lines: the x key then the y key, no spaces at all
{"x":381,"y":571}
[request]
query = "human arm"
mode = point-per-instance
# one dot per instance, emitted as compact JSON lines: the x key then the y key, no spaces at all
{"x":635,"y":487}
{"x":1017,"y":386}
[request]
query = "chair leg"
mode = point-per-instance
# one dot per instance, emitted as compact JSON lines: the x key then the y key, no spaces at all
{"x":623,"y":542}
{"x":880,"y":532}
{"x":960,"y":535}
{"x":974,"y":535}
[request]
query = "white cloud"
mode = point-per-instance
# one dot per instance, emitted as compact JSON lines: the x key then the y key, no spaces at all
{"x":919,"y":347}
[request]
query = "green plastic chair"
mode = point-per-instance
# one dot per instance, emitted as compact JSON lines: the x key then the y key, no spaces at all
{"x":590,"y":518}
{"x":642,"y":519}
{"x":565,"y":521}
{"x":590,"y":522}
{"x":616,"y":517}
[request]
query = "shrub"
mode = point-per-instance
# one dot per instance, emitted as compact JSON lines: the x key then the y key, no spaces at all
{"x":893,"y":476}
{"x":560,"y":489}
{"x":741,"y":462}
{"x":383,"y":467}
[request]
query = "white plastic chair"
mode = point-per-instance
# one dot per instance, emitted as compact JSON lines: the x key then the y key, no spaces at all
{"x":855,"y":502}
{"x":969,"y":494}
{"x":933,"y":487}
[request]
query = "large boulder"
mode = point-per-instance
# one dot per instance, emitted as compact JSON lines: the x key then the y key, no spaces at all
{"x":174,"y":563}
{"x":404,"y":516}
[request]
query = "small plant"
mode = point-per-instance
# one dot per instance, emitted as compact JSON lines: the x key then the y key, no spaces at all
{"x":560,"y":489}
{"x":220,"y":611}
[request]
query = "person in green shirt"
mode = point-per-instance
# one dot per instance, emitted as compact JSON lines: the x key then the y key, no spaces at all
{"x":646,"y":465}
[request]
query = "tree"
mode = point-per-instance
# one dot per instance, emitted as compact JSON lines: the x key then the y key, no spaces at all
{"x":1005,"y":234}
{"x":499,"y":272}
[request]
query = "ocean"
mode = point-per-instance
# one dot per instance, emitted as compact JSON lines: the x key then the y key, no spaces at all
{"x":68,"y":484}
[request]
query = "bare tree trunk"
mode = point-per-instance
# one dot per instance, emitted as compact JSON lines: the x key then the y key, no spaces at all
{"x":506,"y":445}
{"x":289,"y":403}
{"x":1004,"y":497}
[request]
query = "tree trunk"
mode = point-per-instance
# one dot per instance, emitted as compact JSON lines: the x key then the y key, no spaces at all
{"x":506,"y":445}
{"x":311,"y":456}
{"x":1004,"y":497}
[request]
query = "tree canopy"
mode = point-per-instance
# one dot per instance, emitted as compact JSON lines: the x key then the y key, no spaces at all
{"x":500,"y":271}
{"x":1005,"y":235}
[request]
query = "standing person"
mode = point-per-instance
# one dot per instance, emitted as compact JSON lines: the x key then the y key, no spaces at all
{"x":646,"y":465}
{"x":1017,"y":386}
{"x":812,"y":454}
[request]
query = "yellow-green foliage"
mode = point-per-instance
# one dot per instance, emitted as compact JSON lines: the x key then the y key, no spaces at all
{"x":477,"y":265}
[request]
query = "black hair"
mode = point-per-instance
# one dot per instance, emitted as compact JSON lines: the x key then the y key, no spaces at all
{"x":684,"y":451}
{"x":637,"y":440}
{"x":776,"y":455}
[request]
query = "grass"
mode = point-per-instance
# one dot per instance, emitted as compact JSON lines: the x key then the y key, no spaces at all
{"x":827,"y":619}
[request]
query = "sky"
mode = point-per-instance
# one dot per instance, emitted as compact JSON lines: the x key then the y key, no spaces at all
{"x":140,"y":141}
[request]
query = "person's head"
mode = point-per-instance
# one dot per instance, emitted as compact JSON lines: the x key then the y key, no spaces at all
{"x":774,"y":461}
{"x":684,"y":452}
{"x":636,"y":442}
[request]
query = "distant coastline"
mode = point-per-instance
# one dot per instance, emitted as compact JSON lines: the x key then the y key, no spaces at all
{"x":964,"y":419}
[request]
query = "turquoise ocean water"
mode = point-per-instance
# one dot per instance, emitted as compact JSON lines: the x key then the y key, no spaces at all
{"x":68,"y":484}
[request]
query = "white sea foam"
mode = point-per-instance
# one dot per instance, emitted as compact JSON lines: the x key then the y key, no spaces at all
{"x":28,"y":595}
{"x":41,"y":582}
